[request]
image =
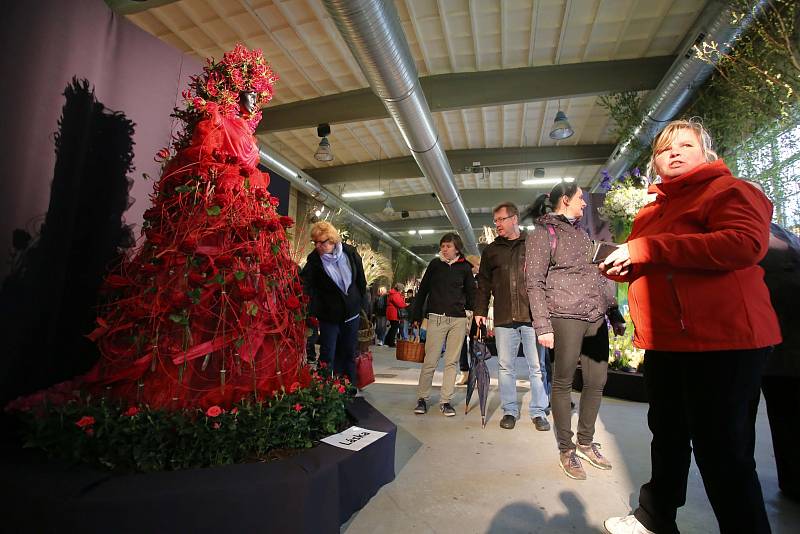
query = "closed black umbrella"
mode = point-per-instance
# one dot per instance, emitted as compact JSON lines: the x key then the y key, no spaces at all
{"x":478,"y":375}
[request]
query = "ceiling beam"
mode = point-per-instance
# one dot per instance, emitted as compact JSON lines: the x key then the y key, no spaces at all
{"x":476,"y":89}
{"x":438,"y":224}
{"x":473,"y":198}
{"x":461,"y":162}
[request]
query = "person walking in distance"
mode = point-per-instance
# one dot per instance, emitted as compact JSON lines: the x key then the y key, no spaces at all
{"x":449,"y":289}
{"x":502,"y":274}
{"x":394,"y":303}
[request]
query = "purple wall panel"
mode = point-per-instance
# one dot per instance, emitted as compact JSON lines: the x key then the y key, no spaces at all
{"x":45,"y":44}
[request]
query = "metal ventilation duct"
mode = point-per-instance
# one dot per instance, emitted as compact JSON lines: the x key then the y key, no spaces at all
{"x":371,"y":28}
{"x":681,"y":81}
{"x":311,"y":187}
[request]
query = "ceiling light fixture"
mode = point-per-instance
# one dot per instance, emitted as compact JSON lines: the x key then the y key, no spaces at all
{"x":324,"y":152}
{"x":424,"y":232}
{"x":388,"y":209}
{"x":561,"y":128}
{"x":362,"y":194}
{"x":546,"y":181}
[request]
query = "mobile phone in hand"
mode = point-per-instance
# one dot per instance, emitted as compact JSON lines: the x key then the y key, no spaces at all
{"x":602,"y":251}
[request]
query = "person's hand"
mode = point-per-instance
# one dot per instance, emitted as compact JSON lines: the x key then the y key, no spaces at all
{"x":618,"y":328}
{"x":547,"y":340}
{"x":480,"y":320}
{"x":618,"y":263}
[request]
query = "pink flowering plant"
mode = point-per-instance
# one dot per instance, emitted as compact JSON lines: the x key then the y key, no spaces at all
{"x":104,"y":433}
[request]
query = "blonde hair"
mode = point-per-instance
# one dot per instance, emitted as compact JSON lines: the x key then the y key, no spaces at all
{"x":669,"y":134}
{"x":327,"y":230}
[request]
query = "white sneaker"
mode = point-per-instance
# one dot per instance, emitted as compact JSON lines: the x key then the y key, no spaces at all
{"x":625,"y":525}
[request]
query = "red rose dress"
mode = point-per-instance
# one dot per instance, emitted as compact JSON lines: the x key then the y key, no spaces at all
{"x":205,"y":311}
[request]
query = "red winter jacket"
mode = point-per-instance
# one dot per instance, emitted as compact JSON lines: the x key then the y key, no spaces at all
{"x":394,"y":301}
{"x":695,"y":284}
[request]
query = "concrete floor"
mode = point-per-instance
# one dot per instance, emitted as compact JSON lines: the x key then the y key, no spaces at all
{"x":454,"y":476}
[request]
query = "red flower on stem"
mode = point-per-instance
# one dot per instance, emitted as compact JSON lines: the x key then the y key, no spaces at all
{"x":86,"y":420}
{"x":223,"y":261}
{"x":286,"y":222}
{"x":342,"y":389}
{"x":274,"y":201}
{"x":298,"y":407}
{"x":294,"y":387}
{"x":293,"y":302}
{"x":214,"y":411}
{"x":188,"y":245}
{"x":130,"y":412}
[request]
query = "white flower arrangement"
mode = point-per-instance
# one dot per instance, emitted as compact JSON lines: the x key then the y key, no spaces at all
{"x":622,"y":354}
{"x":623,"y":201}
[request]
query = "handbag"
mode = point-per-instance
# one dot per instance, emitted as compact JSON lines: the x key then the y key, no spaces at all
{"x":410,"y":351}
{"x":364,"y":372}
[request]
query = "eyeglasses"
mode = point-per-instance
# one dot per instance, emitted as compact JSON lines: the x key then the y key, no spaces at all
{"x":318,"y":243}
{"x":498,"y":220}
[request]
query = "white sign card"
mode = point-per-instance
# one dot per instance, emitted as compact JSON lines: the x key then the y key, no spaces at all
{"x":354,"y":438}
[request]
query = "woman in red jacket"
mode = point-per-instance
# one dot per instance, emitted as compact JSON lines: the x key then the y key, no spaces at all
{"x":703,"y":314}
{"x":394,"y":302}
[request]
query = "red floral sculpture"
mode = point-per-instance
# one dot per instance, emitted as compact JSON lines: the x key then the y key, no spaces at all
{"x":205,"y":311}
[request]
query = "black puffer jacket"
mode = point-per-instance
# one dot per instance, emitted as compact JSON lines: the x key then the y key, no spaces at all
{"x":328,"y":303}
{"x":570,"y":286}
{"x":502,"y":274}
{"x":448,"y":288}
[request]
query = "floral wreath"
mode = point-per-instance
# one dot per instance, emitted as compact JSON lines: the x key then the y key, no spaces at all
{"x":219,"y":86}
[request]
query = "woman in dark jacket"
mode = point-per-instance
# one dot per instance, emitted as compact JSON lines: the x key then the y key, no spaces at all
{"x":333,"y":278}
{"x":569,"y":300}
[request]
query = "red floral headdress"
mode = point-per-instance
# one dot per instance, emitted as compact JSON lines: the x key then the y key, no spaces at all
{"x":221,"y":83}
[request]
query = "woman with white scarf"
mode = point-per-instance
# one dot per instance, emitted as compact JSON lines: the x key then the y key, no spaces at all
{"x":333,"y":278}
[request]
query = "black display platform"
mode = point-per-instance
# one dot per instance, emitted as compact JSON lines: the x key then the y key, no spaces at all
{"x":314,"y":492}
{"x":620,"y":384}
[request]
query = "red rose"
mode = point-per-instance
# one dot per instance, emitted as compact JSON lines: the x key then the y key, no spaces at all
{"x":298,"y":407}
{"x":162,"y":155}
{"x":273,"y":225}
{"x":267,"y":268}
{"x":179,"y":299}
{"x":274,"y":201}
{"x":312,"y":321}
{"x":260,"y":193}
{"x":294,"y":387}
{"x":293,"y":302}
{"x":150,"y":268}
{"x":214,"y":411}
{"x":235,"y":410}
{"x":196,"y":279}
{"x":154,"y":237}
{"x":342,"y":389}
{"x":115,"y":281}
{"x":130,"y":412}
{"x":225,"y":261}
{"x":260,"y":223}
{"x":286,"y":222}
{"x":86,"y":420}
{"x":188,"y":245}
{"x":247,"y":292}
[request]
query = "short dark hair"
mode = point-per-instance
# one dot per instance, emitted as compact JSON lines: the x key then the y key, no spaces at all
{"x":455,"y":239}
{"x":509,"y":206}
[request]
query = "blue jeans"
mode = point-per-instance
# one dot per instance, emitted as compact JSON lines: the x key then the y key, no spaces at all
{"x":337,"y":347}
{"x":508,"y":341}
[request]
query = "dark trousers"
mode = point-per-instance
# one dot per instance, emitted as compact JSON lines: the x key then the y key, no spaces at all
{"x":337,"y":347}
{"x":782,"y":394}
{"x":463,"y":360}
{"x":588,"y":342}
{"x":706,"y":401}
{"x":391,"y":335}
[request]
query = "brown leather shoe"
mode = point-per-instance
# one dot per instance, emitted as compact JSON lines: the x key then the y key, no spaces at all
{"x":572,"y":465}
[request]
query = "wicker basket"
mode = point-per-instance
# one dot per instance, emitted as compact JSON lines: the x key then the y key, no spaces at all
{"x":366,"y":333}
{"x":410,"y":351}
